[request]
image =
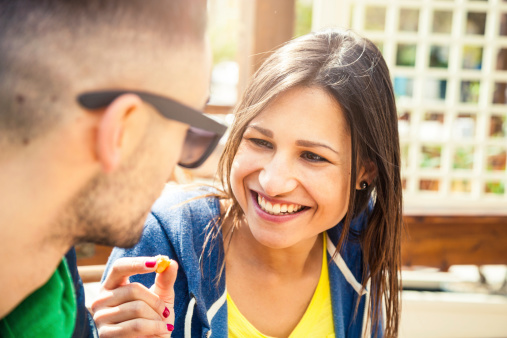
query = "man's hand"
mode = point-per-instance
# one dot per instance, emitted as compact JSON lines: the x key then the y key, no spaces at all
{"x":126,"y":309}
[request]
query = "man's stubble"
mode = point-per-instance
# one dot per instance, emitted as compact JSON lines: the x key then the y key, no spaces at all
{"x":112,"y":208}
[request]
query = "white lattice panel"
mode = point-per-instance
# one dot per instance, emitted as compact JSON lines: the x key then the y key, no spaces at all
{"x":448,"y":61}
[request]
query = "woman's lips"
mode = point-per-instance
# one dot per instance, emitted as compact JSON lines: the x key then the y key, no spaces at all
{"x":276,"y":212}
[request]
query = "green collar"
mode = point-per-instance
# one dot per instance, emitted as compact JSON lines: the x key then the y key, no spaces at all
{"x":49,"y":311}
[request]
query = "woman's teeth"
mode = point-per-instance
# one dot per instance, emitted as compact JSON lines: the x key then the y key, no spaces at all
{"x":278,"y":209}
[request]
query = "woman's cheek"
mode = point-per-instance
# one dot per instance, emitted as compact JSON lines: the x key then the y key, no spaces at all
{"x":247,"y":160}
{"x":245,"y":165}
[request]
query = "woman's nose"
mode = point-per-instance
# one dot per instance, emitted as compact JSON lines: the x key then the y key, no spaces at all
{"x":277,"y":177}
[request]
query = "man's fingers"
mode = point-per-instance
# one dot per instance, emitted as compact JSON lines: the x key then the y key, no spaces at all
{"x":125,"y":267}
{"x":164,"y":283}
{"x":136,"y":327}
{"x":129,"y":293}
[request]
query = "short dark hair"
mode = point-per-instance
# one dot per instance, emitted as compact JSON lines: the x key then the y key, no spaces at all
{"x":46,"y":45}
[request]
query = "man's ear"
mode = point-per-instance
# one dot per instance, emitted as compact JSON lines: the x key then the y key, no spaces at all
{"x":367,"y":173}
{"x":111,"y":130}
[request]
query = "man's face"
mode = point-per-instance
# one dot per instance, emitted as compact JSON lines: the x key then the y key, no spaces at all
{"x":112,"y":209}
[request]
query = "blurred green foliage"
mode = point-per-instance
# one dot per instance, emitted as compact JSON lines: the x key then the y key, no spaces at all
{"x":431,"y":157}
{"x":224,"y":41}
{"x":405,"y":55}
{"x":303,"y":24}
{"x":464,"y":158}
{"x":495,"y":188}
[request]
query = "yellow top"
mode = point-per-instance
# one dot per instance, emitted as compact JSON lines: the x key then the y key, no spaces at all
{"x":316,"y":322}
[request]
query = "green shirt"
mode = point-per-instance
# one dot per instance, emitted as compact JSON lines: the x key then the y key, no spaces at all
{"x":49,"y":311}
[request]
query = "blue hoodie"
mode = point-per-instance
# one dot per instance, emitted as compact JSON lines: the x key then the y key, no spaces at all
{"x":178,"y":230}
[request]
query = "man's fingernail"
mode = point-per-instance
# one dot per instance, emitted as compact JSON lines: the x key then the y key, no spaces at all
{"x":170,"y":327}
{"x":150,"y":264}
{"x":166,"y":313}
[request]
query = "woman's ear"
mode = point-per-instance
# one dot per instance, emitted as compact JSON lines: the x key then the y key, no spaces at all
{"x":111,"y":130}
{"x":367,"y":173}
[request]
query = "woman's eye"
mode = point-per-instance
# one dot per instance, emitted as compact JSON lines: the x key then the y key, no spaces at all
{"x":261,"y":143}
{"x":313,"y":157}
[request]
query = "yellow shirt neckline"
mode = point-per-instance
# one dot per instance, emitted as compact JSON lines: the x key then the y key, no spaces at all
{"x":317,"y":321}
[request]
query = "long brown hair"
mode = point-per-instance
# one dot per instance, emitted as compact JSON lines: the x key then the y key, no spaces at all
{"x":353,"y":71}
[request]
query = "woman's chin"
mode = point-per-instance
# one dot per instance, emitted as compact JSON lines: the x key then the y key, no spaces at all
{"x":271,"y":238}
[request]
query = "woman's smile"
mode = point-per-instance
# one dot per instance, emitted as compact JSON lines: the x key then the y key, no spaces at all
{"x":276,"y":211}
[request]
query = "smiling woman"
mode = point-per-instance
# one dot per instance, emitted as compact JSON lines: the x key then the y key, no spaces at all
{"x":304,"y":238}
{"x":295,"y":153}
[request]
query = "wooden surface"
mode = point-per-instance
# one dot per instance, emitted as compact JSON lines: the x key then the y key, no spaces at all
{"x":91,"y":273}
{"x":218,"y":110}
{"x":266,"y":24}
{"x":434,"y":241}
{"x":99,"y":257}
{"x":442,"y":241}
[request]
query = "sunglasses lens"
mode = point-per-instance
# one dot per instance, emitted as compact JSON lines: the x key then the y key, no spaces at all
{"x":197,"y":145}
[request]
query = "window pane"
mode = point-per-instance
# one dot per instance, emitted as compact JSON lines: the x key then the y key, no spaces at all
{"x":431,"y":128}
{"x":403,"y":86}
{"x":435,"y":89}
{"x":380,"y":46}
{"x":497,"y":126}
{"x":404,"y":153}
{"x":461,"y":186}
{"x":464,"y":126}
{"x":439,"y":56}
{"x":442,"y":22}
{"x":503,"y":24}
{"x":495,"y":159}
{"x":464,"y":158}
{"x":494,"y":187}
{"x":375,"y":18}
{"x":500,"y":94}
{"x":470,"y":91}
{"x":409,"y":20}
{"x":429,"y":185}
{"x":404,"y":124}
{"x":476,"y":23}
{"x":501,"y":59}
{"x":472,"y":57}
{"x":405,"y":55}
{"x":431,"y":157}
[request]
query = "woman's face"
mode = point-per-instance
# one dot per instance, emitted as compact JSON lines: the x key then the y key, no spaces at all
{"x":291,"y":173}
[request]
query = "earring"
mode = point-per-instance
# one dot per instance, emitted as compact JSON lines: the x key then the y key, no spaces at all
{"x":363,"y":185}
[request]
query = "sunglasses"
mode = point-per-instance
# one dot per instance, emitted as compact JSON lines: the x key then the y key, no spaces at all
{"x":202,"y":136}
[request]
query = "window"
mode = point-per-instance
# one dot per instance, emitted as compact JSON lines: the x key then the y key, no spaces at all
{"x":448,"y":60}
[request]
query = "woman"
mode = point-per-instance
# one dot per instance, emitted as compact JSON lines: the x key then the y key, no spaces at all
{"x":304,"y":241}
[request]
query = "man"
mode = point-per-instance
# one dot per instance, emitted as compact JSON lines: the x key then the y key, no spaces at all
{"x":84,"y":150}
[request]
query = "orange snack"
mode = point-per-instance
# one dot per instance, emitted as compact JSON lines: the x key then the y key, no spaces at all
{"x":162,"y":263}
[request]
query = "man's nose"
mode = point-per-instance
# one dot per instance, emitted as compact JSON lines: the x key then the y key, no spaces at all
{"x":278,"y":176}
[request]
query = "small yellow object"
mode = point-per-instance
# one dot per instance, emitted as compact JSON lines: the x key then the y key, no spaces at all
{"x":162,"y":263}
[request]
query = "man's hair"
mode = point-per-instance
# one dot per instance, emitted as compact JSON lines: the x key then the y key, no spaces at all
{"x":49,"y":48}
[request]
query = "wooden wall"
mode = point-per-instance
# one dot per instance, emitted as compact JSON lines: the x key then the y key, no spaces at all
{"x":442,"y":241}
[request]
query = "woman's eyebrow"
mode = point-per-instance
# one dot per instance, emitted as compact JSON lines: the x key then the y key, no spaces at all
{"x":265,"y":132}
{"x":312,"y":144}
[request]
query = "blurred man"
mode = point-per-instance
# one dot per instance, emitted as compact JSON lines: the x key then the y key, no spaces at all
{"x":84,"y":150}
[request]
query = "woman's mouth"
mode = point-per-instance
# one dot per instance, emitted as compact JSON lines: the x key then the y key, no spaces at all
{"x":279,"y":209}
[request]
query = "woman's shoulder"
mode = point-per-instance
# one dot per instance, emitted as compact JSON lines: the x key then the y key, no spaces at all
{"x":351,"y":251}
{"x":179,"y":200}
{"x":184,"y":211}
{"x":177,"y":193}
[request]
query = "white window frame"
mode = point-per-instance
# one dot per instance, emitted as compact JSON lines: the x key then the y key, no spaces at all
{"x":329,"y":13}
